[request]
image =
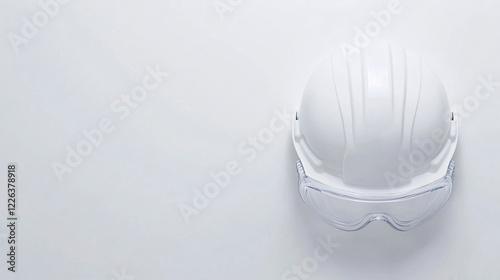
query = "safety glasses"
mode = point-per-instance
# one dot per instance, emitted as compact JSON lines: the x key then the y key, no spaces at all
{"x":353,"y":211}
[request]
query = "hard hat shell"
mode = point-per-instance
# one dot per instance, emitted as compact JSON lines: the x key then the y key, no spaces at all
{"x":375,"y":125}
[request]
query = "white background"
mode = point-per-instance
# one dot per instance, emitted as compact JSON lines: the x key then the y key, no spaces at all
{"x":116,"y":215}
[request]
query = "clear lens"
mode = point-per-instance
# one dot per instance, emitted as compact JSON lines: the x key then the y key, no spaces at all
{"x":349,"y":212}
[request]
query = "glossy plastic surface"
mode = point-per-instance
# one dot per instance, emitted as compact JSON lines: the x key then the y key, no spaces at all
{"x":377,"y":126}
{"x":350,"y":212}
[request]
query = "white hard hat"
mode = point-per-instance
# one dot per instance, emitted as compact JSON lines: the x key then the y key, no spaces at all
{"x":375,"y":136}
